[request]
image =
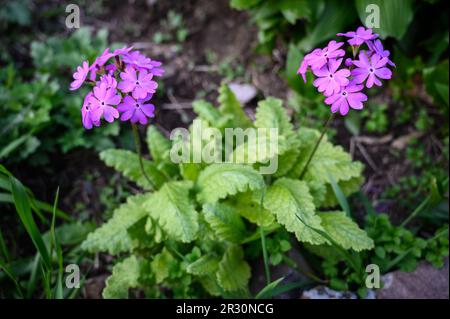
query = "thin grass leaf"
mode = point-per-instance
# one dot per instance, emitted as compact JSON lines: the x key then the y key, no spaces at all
{"x":339,"y":195}
{"x":59,"y":294}
{"x":34,"y":276}
{"x":23,"y":208}
{"x":267,"y":291}
{"x":288,"y":287}
{"x":11,"y":276}
{"x":4,"y":250}
{"x":354,"y":261}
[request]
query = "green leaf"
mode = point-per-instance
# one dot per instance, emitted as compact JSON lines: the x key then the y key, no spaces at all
{"x":23,"y":208}
{"x":345,"y":232}
{"x":207,"y":112}
{"x":243,"y":4}
{"x":395,"y":16}
{"x":436,"y":82}
{"x":113,"y":236}
{"x":205,"y":265}
{"x":158,"y":145}
{"x":172,"y":207}
{"x":271,"y":114}
{"x":127,"y":163}
{"x":327,"y":159}
{"x":267,"y":291}
{"x":248,"y":206}
{"x":286,"y":198}
{"x":161,"y":264}
{"x":225,"y":222}
{"x":125,"y":275}
{"x":334,"y":18}
{"x":229,"y":105}
{"x":218,"y":181}
{"x":233,"y":273}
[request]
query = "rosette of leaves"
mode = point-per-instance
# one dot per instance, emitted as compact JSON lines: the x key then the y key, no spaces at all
{"x":185,"y":235}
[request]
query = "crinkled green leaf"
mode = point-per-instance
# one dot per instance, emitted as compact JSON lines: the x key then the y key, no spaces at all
{"x":113,"y":236}
{"x":271,"y":114}
{"x":287,"y":198}
{"x":158,"y":145}
{"x":127,"y":163}
{"x":345,"y":232}
{"x":225,"y":222}
{"x":205,"y":265}
{"x":248,"y":205}
{"x":161,"y":264}
{"x":173,"y":209}
{"x":234,"y":272}
{"x":229,"y":105}
{"x":125,"y":275}
{"x":218,"y":181}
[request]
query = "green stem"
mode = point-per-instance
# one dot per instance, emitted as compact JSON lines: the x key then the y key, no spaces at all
{"x":416,"y":211}
{"x":325,"y":129}
{"x":137,"y":143}
{"x":265,"y":255}
{"x":291,"y":263}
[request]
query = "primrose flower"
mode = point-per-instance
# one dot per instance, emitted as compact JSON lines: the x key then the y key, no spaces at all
{"x":109,"y":80}
{"x":320,"y":57}
{"x":330,"y":79}
{"x":89,"y":113}
{"x":370,"y":70}
{"x":136,"y":110}
{"x":359,"y":36}
{"x":139,"y":83}
{"x":377,"y":47}
{"x":348,"y":97}
{"x":103,"y":101}
{"x":79,"y":76}
{"x":341,"y":78}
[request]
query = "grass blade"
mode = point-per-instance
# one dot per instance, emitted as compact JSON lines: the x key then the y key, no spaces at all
{"x":339,"y":195}
{"x":267,"y":291}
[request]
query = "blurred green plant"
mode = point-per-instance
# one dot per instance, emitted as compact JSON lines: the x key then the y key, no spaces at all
{"x":40,"y":275}
{"x":39,"y":117}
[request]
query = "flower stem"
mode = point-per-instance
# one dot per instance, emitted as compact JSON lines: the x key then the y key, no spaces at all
{"x":325,"y":129}
{"x":291,"y":263}
{"x":137,"y":143}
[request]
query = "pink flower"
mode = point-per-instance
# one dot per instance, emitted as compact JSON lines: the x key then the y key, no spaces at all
{"x":88,"y":112}
{"x":370,"y":70}
{"x":320,"y":57}
{"x":109,"y":80}
{"x":359,"y":37}
{"x":138,"y":60}
{"x":349,"y":97}
{"x":377,"y":47}
{"x":103,"y":101}
{"x":139,"y":84}
{"x":136,"y":110}
{"x":79,"y":76}
{"x":122,"y":51}
{"x":330,"y":79}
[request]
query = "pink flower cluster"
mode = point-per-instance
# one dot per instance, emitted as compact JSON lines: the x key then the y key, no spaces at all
{"x":123,"y":85}
{"x":342,"y":83}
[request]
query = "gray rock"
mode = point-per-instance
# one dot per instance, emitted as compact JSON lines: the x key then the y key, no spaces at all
{"x":244,"y":92}
{"x":323,"y":292}
{"x":426,"y":282}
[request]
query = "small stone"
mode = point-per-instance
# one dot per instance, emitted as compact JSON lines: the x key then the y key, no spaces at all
{"x":426,"y":282}
{"x":244,"y":92}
